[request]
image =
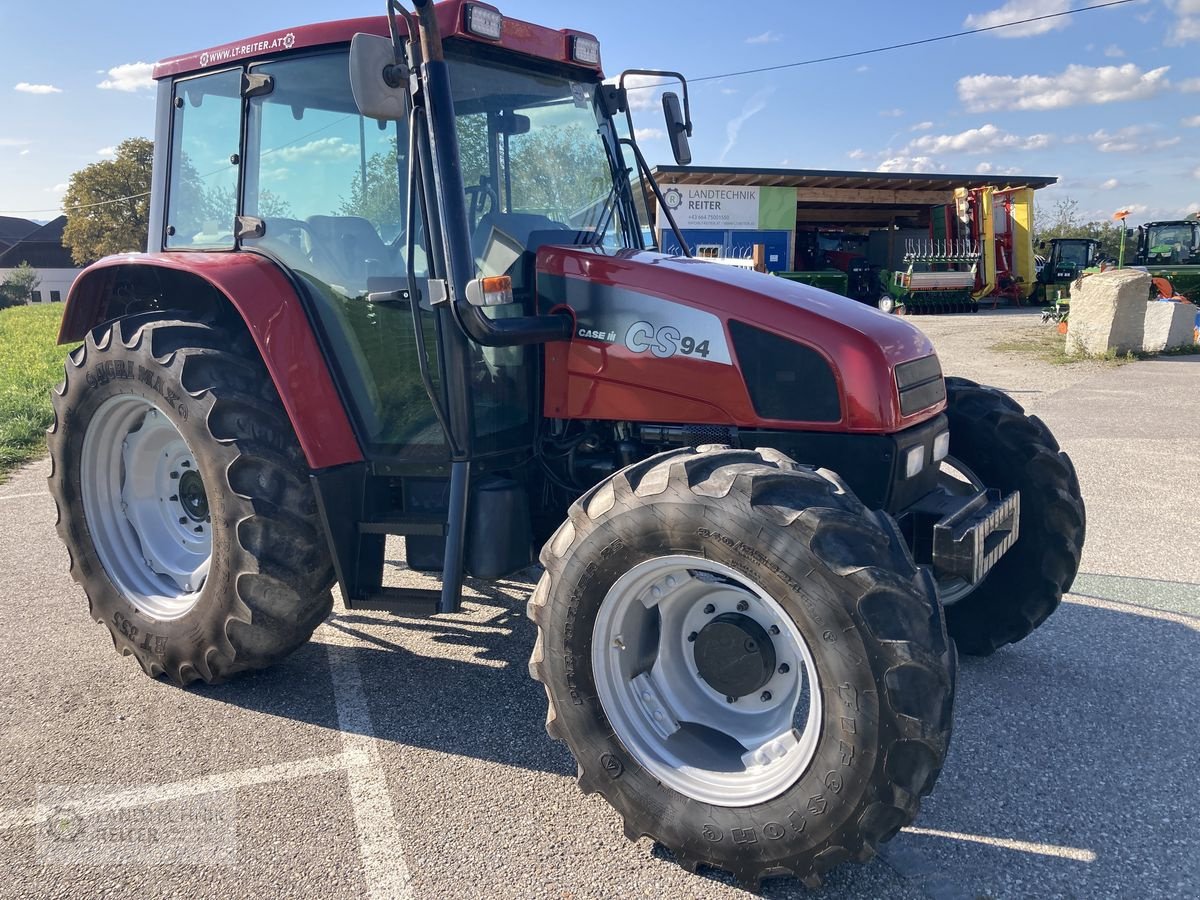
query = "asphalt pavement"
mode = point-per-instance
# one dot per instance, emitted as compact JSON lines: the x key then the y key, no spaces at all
{"x":407,"y":758}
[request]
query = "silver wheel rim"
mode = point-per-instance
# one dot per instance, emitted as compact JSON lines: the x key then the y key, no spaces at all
{"x":956,"y":477}
{"x":886,"y":304}
{"x":675,"y":723}
{"x":146,"y":508}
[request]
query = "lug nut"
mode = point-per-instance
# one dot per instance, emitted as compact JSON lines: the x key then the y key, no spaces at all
{"x":183,"y":520}
{"x":743,"y":606}
{"x":692,"y":636}
{"x":784,"y":668}
{"x":731,"y":699}
{"x":186,"y":464}
{"x":766,"y":695}
{"x":174,"y":498}
{"x":199,"y":529}
{"x":774,"y":629}
{"x":174,"y":474}
{"x":709,"y":609}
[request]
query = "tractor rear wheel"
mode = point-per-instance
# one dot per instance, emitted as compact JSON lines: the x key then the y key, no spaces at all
{"x":996,"y":444}
{"x":183,"y":499}
{"x":744,"y":661}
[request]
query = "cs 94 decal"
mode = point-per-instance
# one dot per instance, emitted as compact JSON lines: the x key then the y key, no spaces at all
{"x":665,"y":341}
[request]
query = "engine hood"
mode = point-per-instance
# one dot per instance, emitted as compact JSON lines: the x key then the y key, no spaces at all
{"x":605,"y":289}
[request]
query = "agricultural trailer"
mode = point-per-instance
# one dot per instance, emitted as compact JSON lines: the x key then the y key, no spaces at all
{"x":396,"y":285}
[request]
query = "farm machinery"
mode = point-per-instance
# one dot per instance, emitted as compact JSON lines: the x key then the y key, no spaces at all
{"x":1171,"y":250}
{"x":940,"y":278}
{"x":397,"y":286}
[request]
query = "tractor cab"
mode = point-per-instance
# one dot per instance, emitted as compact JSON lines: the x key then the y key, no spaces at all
{"x":1168,"y":243}
{"x":1068,"y":258}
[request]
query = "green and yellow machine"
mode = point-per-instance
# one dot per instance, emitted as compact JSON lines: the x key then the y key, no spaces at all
{"x":1171,"y":250}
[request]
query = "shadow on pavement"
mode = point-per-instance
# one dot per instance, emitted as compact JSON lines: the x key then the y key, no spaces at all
{"x":1075,"y":748}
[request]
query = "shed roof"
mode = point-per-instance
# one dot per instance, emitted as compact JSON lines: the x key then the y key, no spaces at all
{"x":828,"y":178}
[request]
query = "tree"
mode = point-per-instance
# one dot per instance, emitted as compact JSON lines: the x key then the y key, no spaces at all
{"x":19,"y":286}
{"x":1063,"y":222}
{"x":105,"y":213}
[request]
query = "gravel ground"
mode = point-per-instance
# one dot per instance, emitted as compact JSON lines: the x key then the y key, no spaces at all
{"x":407,"y":758}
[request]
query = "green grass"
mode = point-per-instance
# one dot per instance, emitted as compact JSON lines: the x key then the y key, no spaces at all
{"x":30,"y":365}
{"x":1045,"y":343}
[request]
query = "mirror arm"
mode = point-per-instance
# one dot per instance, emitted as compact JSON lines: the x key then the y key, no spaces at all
{"x":644,"y":169}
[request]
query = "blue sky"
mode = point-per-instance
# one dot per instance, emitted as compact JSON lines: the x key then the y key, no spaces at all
{"x":1108,"y":100}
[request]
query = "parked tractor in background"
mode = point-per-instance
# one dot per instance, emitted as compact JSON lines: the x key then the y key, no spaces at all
{"x":821,"y":255}
{"x":1171,"y":250}
{"x":763,"y":512}
{"x":1067,"y":259}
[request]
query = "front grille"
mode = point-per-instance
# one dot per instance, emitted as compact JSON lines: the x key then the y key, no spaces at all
{"x":920,"y":384}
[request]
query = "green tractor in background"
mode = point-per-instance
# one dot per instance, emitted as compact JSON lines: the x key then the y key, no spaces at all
{"x":1068,"y":259}
{"x":1171,"y":250}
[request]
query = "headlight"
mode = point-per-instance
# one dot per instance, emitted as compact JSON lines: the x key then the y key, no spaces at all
{"x":914,"y":461}
{"x":941,"y":446}
{"x":484,"y":22}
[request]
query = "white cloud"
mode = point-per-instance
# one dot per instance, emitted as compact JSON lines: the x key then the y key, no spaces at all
{"x":894,"y":113}
{"x":985,"y":139}
{"x":916,"y":164}
{"x":641,"y":95}
{"x":857,"y":153}
{"x":1109,"y":185}
{"x":733,"y":127}
{"x":984,"y":168}
{"x":129,"y":77}
{"x":921,"y":126}
{"x":1186,"y":27}
{"x":767,"y":37}
{"x":1124,"y":140}
{"x":330,"y":148}
{"x":1190,"y":122}
{"x":863,"y":68}
{"x":1015,"y":10}
{"x":57,"y":189}
{"x":1076,"y":86}
{"x":1168,"y":142}
{"x":24,"y":152}
{"x":26,"y":88}
{"x":1196,"y":172}
{"x":649,"y":134}
{"x":1113,"y":51}
{"x":1190,"y":210}
{"x":13,"y":142}
{"x":107,"y":151}
{"x":1190,"y":85}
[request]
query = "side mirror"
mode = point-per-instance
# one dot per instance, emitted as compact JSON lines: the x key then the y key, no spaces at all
{"x":677,"y":129}
{"x":377,"y":80}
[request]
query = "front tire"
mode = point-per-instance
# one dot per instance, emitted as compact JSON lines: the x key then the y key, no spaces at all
{"x":183,"y":499}
{"x":745,"y":540}
{"x":1009,"y":450}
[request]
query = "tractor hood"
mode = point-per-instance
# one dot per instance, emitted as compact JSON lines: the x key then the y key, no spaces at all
{"x":726,"y":345}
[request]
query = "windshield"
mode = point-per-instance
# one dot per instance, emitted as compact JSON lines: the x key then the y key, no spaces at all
{"x":1180,"y":236}
{"x":535,"y":164}
{"x":1076,"y":254}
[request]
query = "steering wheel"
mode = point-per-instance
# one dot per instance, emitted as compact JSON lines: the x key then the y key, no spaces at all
{"x":477,"y":195}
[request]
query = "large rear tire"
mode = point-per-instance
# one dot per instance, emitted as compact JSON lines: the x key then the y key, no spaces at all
{"x":183,"y":499}
{"x":992,"y":435}
{"x":653,"y":573}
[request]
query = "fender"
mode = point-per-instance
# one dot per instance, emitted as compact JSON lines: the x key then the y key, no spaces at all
{"x":267,"y":303}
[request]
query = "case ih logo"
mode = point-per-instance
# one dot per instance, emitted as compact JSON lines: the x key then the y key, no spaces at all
{"x":212,"y":57}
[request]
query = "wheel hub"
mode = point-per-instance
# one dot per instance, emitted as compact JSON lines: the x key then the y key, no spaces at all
{"x":192,"y":497}
{"x":734,"y":655}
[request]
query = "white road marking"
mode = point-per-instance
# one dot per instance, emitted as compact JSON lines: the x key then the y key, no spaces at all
{"x":1135,"y":610}
{"x":384,"y":869}
{"x":23,"y":496}
{"x":210,"y":784}
{"x":1074,"y":853}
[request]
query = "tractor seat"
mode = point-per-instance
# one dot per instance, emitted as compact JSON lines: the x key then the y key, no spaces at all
{"x":348,"y":249}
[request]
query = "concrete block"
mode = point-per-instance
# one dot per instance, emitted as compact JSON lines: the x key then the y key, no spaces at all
{"x":1169,"y":325}
{"x":1108,"y":312}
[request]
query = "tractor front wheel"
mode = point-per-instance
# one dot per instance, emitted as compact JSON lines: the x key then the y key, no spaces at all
{"x":993,"y":443}
{"x":183,"y":499}
{"x":744,"y":661}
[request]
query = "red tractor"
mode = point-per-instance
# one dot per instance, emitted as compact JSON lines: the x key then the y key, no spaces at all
{"x":397,"y":285}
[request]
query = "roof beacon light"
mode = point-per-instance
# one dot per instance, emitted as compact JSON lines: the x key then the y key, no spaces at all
{"x":585,"y":50}
{"x":483,"y":22}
